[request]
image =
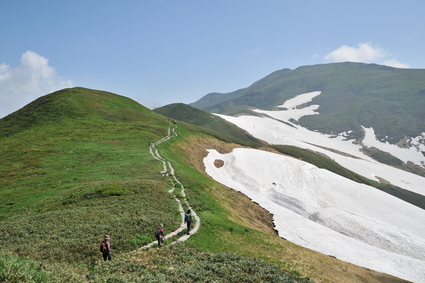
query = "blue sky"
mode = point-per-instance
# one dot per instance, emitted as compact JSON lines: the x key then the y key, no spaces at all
{"x":162,"y":52}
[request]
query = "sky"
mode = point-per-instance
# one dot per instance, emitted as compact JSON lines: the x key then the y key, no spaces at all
{"x":323,"y":211}
{"x":162,"y":52}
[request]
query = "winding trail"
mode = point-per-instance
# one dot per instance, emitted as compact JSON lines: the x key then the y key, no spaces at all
{"x":168,"y":171}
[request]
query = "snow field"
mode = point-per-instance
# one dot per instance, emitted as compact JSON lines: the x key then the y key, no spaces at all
{"x":274,"y":131}
{"x":325,"y":212}
{"x":321,"y":210}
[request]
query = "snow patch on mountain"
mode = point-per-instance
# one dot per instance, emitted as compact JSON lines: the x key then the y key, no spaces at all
{"x":325,"y":212}
{"x":277,"y":128}
{"x":413,"y":154}
{"x":321,"y":210}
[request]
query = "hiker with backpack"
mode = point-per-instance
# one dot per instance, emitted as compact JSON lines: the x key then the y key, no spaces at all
{"x":159,"y":234}
{"x":105,"y":248}
{"x":188,"y":220}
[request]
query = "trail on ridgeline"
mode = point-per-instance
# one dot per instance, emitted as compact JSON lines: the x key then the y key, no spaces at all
{"x":168,"y":171}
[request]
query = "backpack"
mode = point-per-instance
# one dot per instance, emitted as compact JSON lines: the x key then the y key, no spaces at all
{"x":187,"y":218}
{"x":158,"y":232}
{"x":104,"y":247}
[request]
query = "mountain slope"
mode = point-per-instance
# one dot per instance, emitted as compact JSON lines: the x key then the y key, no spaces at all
{"x":83,"y":169}
{"x":194,"y":116}
{"x":388,"y":99}
{"x":320,"y":210}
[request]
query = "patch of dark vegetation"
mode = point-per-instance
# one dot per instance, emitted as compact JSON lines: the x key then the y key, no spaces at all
{"x":381,"y":156}
{"x":387,"y":158}
{"x":91,"y":193}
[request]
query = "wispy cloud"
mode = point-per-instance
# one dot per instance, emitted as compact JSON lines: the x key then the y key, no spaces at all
{"x":27,"y":81}
{"x":254,"y":51}
{"x":395,"y":63}
{"x":363,"y":52}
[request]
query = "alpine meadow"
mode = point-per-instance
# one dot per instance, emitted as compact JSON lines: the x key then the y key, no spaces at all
{"x":77,"y":165}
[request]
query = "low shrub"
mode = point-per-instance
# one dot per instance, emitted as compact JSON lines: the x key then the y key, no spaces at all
{"x":141,"y":240}
{"x":112,"y":190}
{"x":21,"y":270}
{"x":184,"y":264}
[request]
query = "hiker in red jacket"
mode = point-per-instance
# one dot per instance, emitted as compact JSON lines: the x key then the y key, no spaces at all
{"x":105,"y":248}
{"x":159,"y":234}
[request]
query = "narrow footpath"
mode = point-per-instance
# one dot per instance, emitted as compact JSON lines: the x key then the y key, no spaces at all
{"x":168,"y":171}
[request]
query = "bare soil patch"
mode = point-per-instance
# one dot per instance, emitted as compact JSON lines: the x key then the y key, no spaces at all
{"x":218,"y":163}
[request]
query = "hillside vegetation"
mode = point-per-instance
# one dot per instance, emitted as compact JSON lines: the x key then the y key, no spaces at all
{"x":195,"y":116}
{"x":390,"y":100}
{"x":76,"y":166}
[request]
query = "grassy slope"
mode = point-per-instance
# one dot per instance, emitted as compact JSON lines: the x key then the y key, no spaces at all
{"x":68,"y":177}
{"x":206,"y":120}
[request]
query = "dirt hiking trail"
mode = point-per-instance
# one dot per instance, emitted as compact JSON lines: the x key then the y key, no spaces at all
{"x":168,"y":171}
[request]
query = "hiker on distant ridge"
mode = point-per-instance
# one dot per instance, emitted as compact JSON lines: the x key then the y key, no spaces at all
{"x":159,"y":234}
{"x":188,"y":220}
{"x":105,"y":248}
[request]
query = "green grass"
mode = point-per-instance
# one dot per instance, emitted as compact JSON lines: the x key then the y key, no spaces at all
{"x":208,"y":122}
{"x":19,"y":270}
{"x":66,"y":180}
{"x":184,"y":264}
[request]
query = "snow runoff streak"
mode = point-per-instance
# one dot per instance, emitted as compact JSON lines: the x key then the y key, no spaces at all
{"x":321,"y":210}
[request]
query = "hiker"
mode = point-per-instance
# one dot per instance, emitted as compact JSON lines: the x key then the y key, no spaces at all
{"x":105,"y":248}
{"x":159,"y":234}
{"x":188,"y":220}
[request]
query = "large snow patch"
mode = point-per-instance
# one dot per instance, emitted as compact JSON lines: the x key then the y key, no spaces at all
{"x":277,"y":128}
{"x":325,"y":212}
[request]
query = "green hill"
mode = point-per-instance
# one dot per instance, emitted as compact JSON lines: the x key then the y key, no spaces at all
{"x":195,"y":116}
{"x":390,"y":100}
{"x":76,"y":166}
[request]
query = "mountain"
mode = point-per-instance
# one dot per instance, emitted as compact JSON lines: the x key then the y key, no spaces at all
{"x":195,"y":116}
{"x":390,"y":100}
{"x":316,"y":208}
{"x":76,"y":165}
{"x":368,"y":119}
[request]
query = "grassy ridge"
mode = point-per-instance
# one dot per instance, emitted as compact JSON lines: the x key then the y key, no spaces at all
{"x":206,"y":120}
{"x":67,"y":179}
